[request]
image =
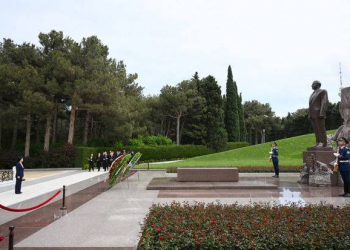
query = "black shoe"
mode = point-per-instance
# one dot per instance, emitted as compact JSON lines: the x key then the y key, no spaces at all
{"x":343,"y":194}
{"x":347,"y":195}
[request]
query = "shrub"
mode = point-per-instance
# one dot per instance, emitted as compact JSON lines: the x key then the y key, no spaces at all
{"x":150,"y":141}
{"x":283,"y":169}
{"x":137,"y":142}
{"x":254,"y":226}
{"x":60,"y":157}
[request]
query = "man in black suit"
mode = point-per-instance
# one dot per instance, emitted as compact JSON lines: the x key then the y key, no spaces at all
{"x":317,"y":113}
{"x":19,"y":175}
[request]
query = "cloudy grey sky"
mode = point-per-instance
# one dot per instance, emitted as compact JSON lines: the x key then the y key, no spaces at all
{"x":276,"y":48}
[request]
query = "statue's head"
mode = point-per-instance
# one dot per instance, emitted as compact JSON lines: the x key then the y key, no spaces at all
{"x":316,"y":85}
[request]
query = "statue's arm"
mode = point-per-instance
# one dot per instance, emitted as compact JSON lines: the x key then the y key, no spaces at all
{"x":324,"y":104}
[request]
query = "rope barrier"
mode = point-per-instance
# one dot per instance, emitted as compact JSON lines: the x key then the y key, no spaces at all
{"x":30,"y":208}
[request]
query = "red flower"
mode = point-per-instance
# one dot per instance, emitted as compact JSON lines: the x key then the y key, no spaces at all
{"x":195,"y":237}
{"x":264,"y":220}
{"x":197,"y":243}
{"x":2,"y":238}
{"x":184,"y":230}
{"x":301,"y":208}
{"x":153,"y":225}
{"x":291,"y":219}
{"x":222,"y":239}
{"x":213,"y":222}
{"x":158,"y":230}
{"x":160,"y":238}
{"x":278,"y":216}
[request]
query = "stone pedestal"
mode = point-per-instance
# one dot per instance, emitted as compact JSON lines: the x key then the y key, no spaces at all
{"x":324,"y":155}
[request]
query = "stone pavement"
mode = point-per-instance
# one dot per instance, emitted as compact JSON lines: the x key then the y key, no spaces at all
{"x":112,"y":219}
{"x":40,"y":190}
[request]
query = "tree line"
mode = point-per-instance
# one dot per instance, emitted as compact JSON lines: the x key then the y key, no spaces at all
{"x":63,"y":91}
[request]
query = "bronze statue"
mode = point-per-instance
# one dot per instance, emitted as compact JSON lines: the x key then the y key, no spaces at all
{"x":317,"y":113}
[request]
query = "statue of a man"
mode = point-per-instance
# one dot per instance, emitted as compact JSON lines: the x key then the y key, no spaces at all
{"x":317,"y":113}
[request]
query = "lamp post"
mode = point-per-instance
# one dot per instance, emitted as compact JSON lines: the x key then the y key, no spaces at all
{"x":263,"y":136}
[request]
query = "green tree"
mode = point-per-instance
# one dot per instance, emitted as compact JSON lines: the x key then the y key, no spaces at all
{"x":213,"y":118}
{"x":177,"y":101}
{"x":242,"y":129}
{"x":194,"y":130}
{"x":259,"y":117}
{"x":232,"y":111}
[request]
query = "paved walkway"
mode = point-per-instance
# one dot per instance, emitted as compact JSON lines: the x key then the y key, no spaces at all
{"x":40,"y":190}
{"x":113,"y":218}
{"x":35,"y":177}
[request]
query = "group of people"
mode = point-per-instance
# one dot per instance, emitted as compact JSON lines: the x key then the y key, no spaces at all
{"x":342,"y":162}
{"x":104,"y":159}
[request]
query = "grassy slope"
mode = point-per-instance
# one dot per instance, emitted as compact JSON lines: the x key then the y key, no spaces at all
{"x":290,"y":154}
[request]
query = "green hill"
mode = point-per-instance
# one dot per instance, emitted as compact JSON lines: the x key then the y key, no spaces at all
{"x":290,"y":154}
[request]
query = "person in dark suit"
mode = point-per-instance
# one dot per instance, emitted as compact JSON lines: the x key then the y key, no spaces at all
{"x":19,"y":175}
{"x":98,"y":161}
{"x":105,"y":161}
{"x":343,"y":156}
{"x":274,"y":158}
{"x":317,"y":113}
{"x":91,"y":163}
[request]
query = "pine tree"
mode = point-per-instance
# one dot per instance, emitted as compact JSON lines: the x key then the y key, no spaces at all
{"x":231,"y":112}
{"x":242,"y":130}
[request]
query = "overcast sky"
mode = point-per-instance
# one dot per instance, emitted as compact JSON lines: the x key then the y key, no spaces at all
{"x":276,"y":48}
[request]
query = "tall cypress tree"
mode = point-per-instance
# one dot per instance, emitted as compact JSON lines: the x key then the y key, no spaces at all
{"x":242,"y":131}
{"x":231,"y":111}
{"x":213,"y":117}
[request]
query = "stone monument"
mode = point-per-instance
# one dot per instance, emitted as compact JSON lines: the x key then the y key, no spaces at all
{"x":319,"y":174}
{"x":322,"y":151}
{"x":344,"y":110}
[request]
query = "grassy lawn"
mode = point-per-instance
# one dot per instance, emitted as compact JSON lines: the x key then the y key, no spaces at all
{"x":290,"y":154}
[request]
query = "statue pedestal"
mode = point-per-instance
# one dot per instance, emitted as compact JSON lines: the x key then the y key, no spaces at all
{"x":324,"y":155}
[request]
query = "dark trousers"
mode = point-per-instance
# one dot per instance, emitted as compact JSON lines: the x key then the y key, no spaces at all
{"x":345,"y":175}
{"x":91,"y":166}
{"x":105,"y":166}
{"x":18,"y":185}
{"x":320,"y":130}
{"x":98,"y":166}
{"x":276,"y":167}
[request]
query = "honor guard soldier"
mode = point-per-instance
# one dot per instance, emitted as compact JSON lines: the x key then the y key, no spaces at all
{"x":343,"y":156}
{"x":274,"y":158}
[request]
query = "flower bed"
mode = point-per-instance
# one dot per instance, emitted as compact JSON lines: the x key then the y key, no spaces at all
{"x":283,"y":169}
{"x":255,"y":226}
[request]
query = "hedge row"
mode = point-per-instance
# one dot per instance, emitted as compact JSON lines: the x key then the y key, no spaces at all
{"x":155,"y":153}
{"x":59,"y":157}
{"x":283,"y":169}
{"x":254,"y":226}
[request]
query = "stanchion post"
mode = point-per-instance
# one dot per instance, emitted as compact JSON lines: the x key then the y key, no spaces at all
{"x":64,"y":199}
{"x":148,"y":166}
{"x":11,"y":236}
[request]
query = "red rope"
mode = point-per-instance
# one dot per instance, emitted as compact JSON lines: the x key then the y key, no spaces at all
{"x":30,"y":208}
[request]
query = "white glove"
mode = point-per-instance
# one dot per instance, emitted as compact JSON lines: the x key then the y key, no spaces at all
{"x":336,"y":154}
{"x":270,"y":152}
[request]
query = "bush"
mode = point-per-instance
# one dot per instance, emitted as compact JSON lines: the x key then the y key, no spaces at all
{"x":283,"y":169}
{"x":155,"y":153}
{"x":254,"y":226}
{"x":61,"y":157}
{"x":153,"y":140}
{"x":137,"y":142}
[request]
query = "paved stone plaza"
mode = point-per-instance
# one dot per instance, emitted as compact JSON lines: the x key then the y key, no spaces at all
{"x":111,"y":219}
